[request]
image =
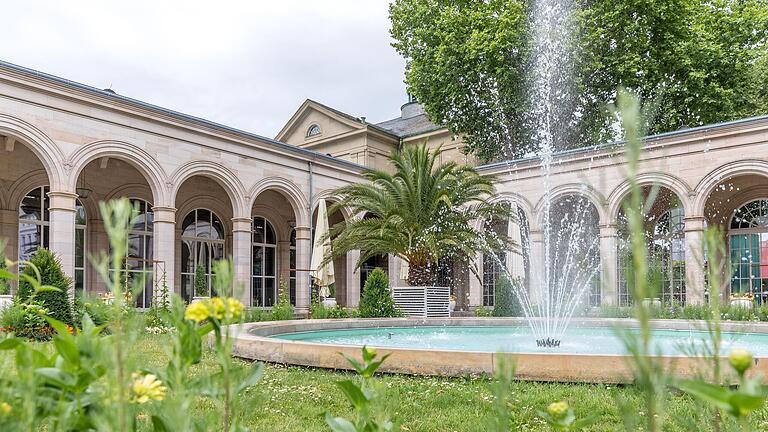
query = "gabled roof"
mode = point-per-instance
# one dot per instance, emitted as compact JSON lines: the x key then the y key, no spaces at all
{"x":309,"y":104}
{"x":157,"y":110}
{"x":405,"y":127}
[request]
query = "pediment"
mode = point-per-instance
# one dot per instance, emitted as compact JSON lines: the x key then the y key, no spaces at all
{"x":311,"y":114}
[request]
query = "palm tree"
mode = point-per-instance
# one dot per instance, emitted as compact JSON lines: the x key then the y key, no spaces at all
{"x":423,"y":212}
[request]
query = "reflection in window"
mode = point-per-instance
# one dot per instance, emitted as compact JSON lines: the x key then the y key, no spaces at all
{"x":202,"y":243}
{"x":138,"y":263}
{"x":748,"y":249}
{"x":34,"y":223}
{"x":264,"y":268}
{"x":313,"y":130}
{"x":292,"y":263}
{"x":492,"y":270}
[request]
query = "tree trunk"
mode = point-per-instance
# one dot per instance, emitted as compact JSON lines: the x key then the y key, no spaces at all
{"x":421,"y":275}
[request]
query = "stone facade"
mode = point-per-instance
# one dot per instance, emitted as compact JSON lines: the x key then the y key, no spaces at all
{"x":211,"y":191}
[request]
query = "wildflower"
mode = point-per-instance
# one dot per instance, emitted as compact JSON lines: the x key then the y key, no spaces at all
{"x":5,"y":408}
{"x":740,"y":359}
{"x":217,"y":308}
{"x":197,"y":312}
{"x":558,"y":410}
{"x":234,"y":308}
{"x":146,"y":388}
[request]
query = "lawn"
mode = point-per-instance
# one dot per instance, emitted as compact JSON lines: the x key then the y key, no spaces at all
{"x":295,"y":399}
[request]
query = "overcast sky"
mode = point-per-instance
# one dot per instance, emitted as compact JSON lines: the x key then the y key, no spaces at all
{"x":247,"y":64}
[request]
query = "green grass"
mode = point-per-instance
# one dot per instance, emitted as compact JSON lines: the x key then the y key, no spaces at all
{"x":295,"y":399}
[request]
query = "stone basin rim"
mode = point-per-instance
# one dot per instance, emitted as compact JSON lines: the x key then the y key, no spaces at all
{"x":253,"y":341}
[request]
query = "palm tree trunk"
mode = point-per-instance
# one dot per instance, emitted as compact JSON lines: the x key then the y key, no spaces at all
{"x":421,"y":275}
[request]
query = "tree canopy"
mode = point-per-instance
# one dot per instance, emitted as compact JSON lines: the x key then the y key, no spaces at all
{"x":698,"y":62}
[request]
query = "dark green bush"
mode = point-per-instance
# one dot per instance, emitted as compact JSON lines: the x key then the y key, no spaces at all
{"x":377,"y":301}
{"x":26,"y":320}
{"x":51,"y":273}
{"x":506,"y":302}
{"x":5,"y":287}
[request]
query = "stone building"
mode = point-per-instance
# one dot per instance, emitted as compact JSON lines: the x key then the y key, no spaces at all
{"x":207,"y":191}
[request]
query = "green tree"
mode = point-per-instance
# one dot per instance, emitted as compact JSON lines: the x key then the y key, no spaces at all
{"x":421,"y":213}
{"x":201,"y":282}
{"x":506,"y":303}
{"x":376,"y":301}
{"x":51,"y":274}
{"x":698,"y":61}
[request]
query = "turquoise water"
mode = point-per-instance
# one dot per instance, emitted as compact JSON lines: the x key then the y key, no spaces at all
{"x":588,"y":340}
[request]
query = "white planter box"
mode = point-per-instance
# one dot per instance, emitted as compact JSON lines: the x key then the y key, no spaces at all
{"x":652,"y":302}
{"x":197,"y":299}
{"x":5,"y":301}
{"x":423,"y":302}
{"x":742,"y":303}
{"x":329,"y":302}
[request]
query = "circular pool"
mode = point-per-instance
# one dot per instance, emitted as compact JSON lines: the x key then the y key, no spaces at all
{"x":591,"y":349}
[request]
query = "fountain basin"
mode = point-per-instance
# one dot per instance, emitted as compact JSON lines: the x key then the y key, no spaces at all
{"x":590,"y":350}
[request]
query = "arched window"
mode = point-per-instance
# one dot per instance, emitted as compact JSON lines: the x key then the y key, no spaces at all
{"x":313,"y":130}
{"x":264,"y":268}
{"x":34,"y":222}
{"x":202,"y":243}
{"x":139,"y":254}
{"x":748,"y":247}
{"x":492,"y":265}
{"x":666,"y":255}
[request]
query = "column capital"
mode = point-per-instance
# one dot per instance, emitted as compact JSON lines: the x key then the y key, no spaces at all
{"x":302,"y":233}
{"x":241,"y":224}
{"x":164,"y":214}
{"x":62,"y":201}
{"x":695,"y":223}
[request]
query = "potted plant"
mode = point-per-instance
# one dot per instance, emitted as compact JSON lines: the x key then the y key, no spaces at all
{"x":654,"y":302}
{"x":201,"y":284}
{"x":330,"y":301}
{"x":743,"y":300}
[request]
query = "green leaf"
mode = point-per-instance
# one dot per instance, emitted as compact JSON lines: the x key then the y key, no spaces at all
{"x":159,"y":424}
{"x":10,"y":343}
{"x":254,"y":375}
{"x":710,"y":393}
{"x":353,"y":393}
{"x":339,"y":424}
{"x":5,"y":274}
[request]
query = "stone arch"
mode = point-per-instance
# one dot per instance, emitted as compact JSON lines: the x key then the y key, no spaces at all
{"x":23,"y":185}
{"x":211,"y":203}
{"x":593,"y":196}
{"x":132,"y":190}
{"x":137,"y":157}
{"x":219,"y":173}
{"x":674,"y":184}
{"x":730,"y":170}
{"x":46,"y":150}
{"x":289,"y":190}
{"x":329,"y":195}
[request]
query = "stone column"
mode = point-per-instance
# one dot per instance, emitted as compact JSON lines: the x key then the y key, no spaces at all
{"x":475,"y":294}
{"x":62,"y":230}
{"x":537,"y":288}
{"x":353,"y":279}
{"x":694,"y":259}
{"x":609,"y":270}
{"x":303,"y":256}
{"x":241,"y":257}
{"x":164,"y":247}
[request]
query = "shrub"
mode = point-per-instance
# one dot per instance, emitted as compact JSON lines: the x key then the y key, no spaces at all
{"x":256,"y":315}
{"x":337,"y":312}
{"x":201,"y":282}
{"x":376,"y":301}
{"x":26,"y":320}
{"x":5,"y":287}
{"x":317,"y":310}
{"x":506,"y":303}
{"x":51,"y":273}
{"x":282,"y":310}
{"x":483,"y":311}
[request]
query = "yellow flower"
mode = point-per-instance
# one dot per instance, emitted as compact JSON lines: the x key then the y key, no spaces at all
{"x":234,"y":308}
{"x":197,"y":311}
{"x":146,"y":388}
{"x":558,"y":410}
{"x":216,"y":307}
{"x":5,"y":407}
{"x":740,"y":359}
